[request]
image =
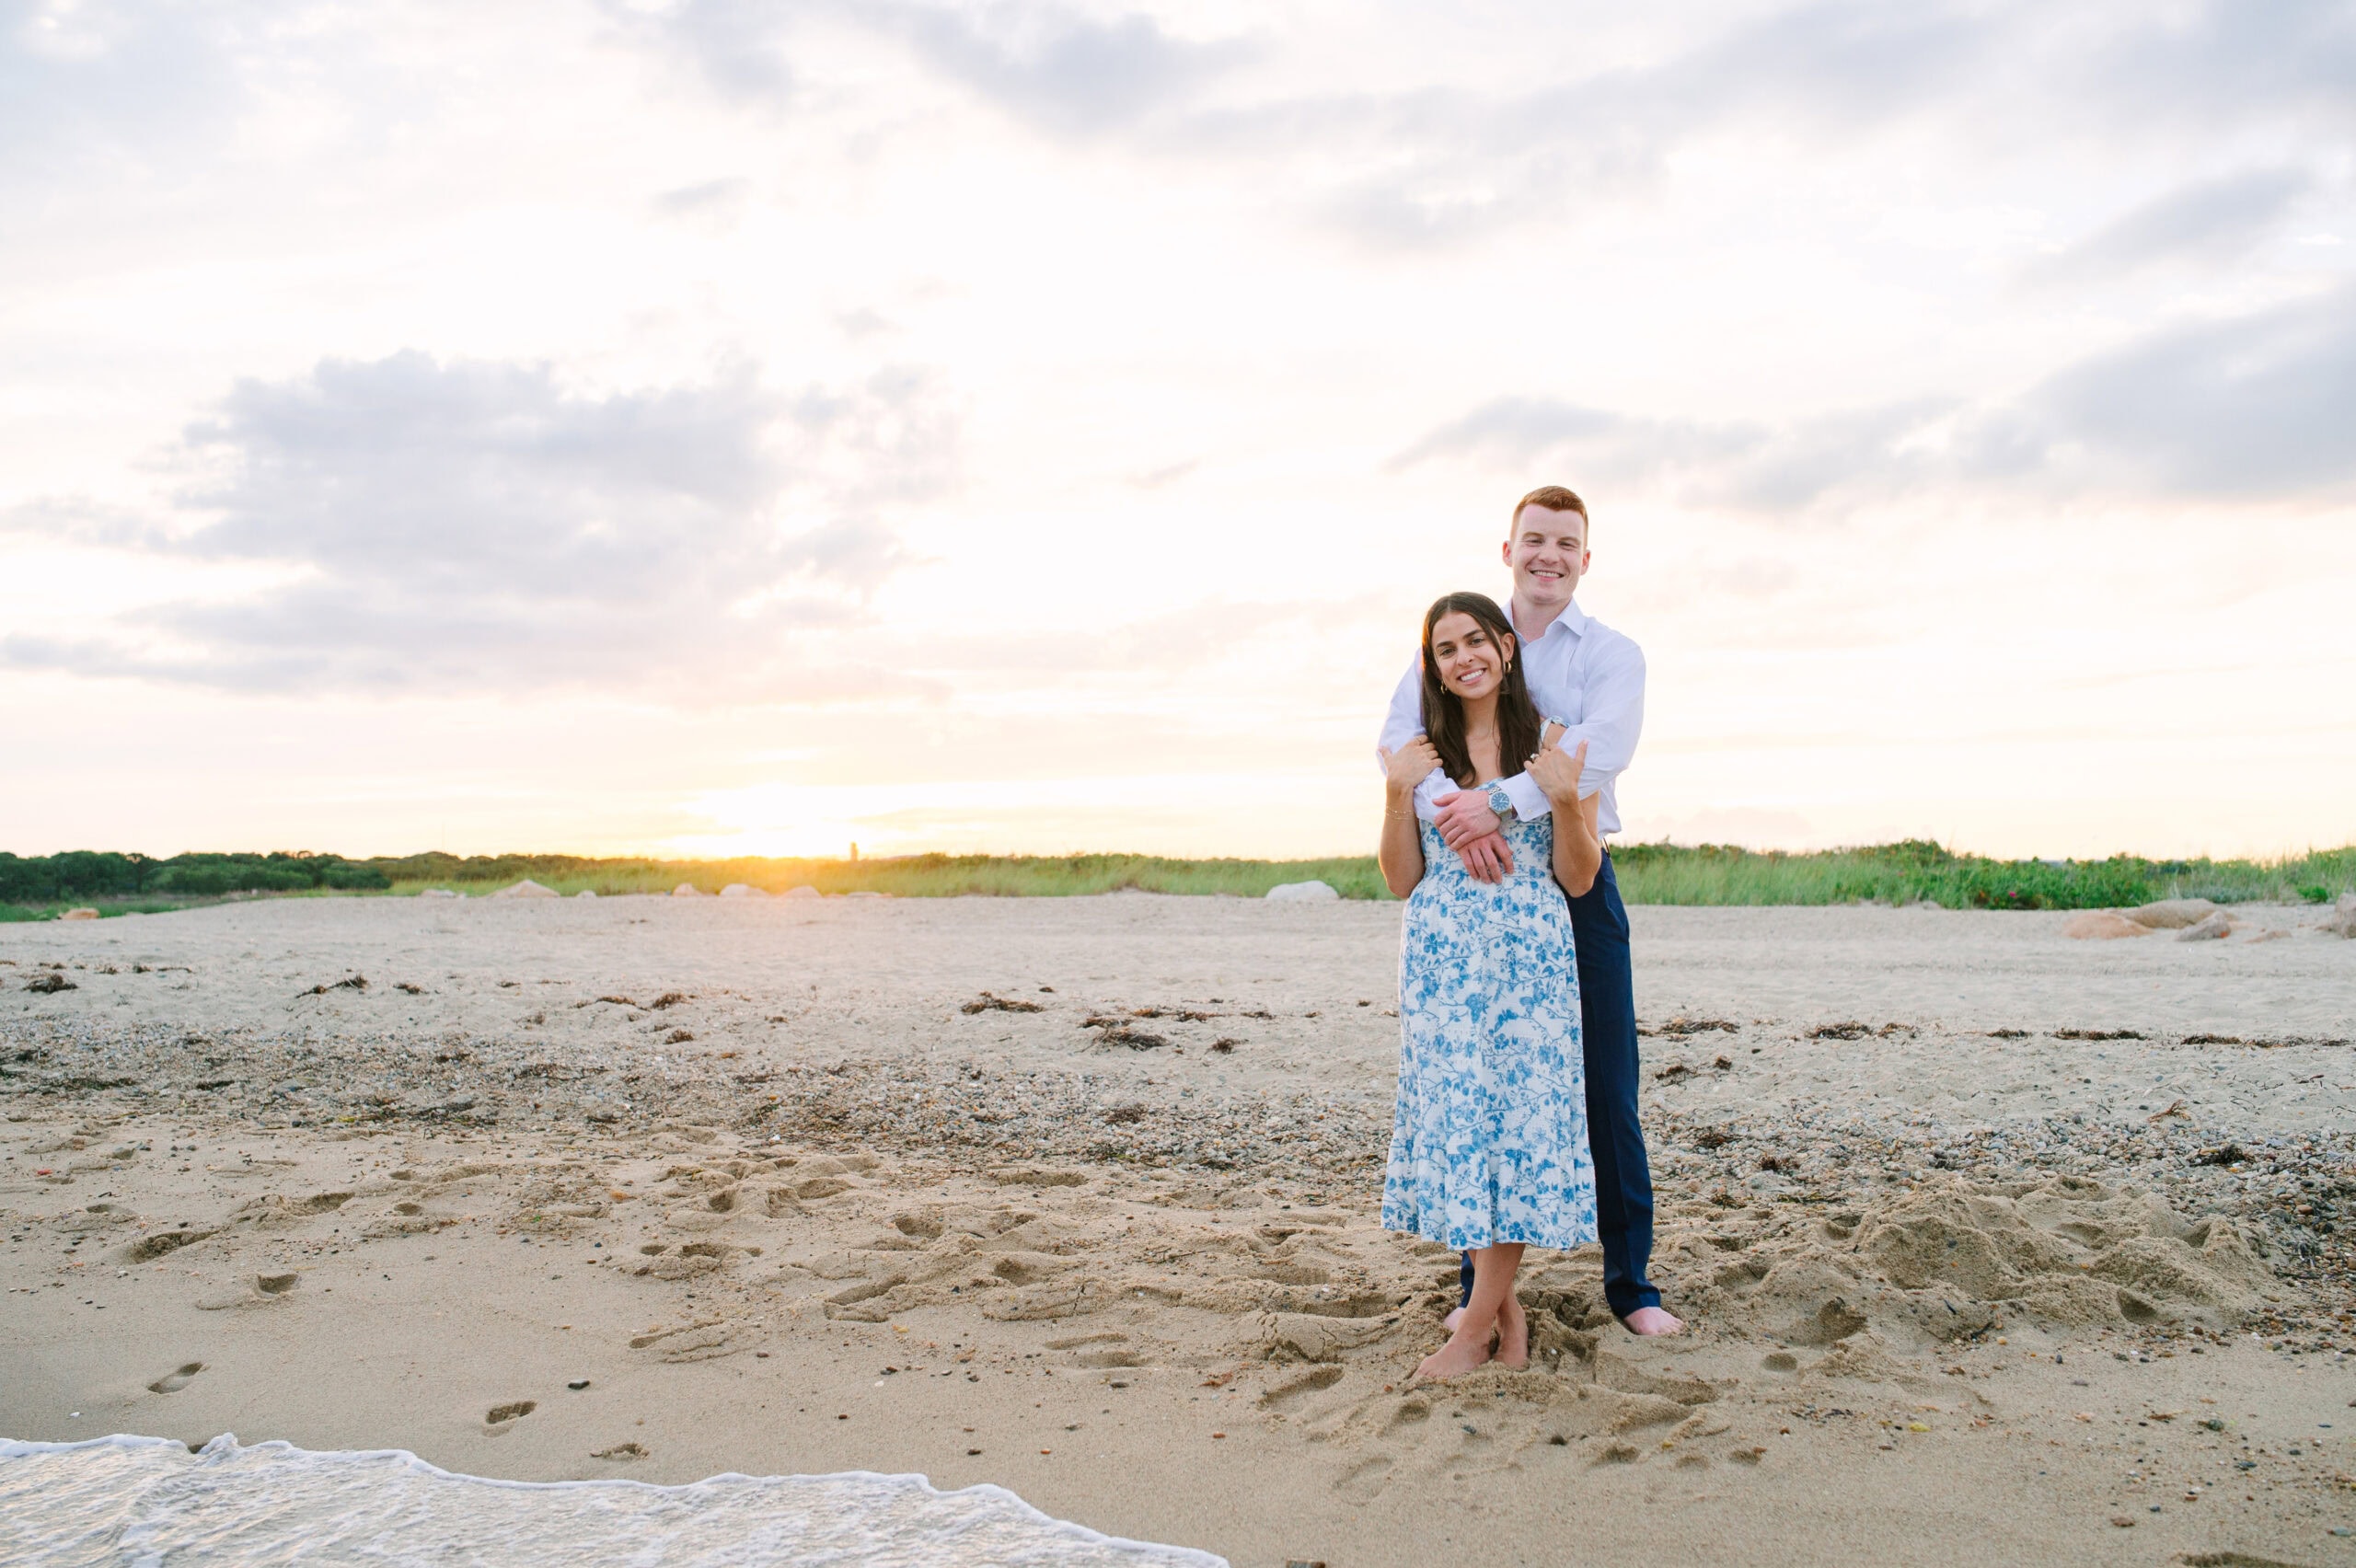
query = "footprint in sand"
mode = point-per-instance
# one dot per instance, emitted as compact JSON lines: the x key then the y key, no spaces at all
{"x":621,"y":1452}
{"x":173,"y":1382}
{"x":501,"y":1418}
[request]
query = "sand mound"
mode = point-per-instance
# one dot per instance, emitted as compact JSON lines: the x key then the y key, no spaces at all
{"x":2101,"y":924}
{"x":438,"y":893}
{"x":1303,"y":893}
{"x":527,"y":888}
{"x":805,"y":891}
{"x":742,"y":890}
{"x":2172,"y":913}
{"x":686,"y":889}
{"x":79,"y":915}
{"x":1956,"y":1260}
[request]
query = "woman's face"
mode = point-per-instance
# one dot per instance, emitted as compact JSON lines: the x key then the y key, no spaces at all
{"x":1469,"y":660}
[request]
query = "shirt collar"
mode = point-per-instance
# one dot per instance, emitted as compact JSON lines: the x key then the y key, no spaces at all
{"x":1573,"y":619}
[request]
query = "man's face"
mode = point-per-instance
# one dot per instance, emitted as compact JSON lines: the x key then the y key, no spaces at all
{"x":1548,"y":556}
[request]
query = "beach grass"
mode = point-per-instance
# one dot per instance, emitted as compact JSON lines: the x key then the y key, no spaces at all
{"x":905,"y":876}
{"x":1914,"y":871}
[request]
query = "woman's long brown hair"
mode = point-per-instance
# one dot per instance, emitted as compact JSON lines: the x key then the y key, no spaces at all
{"x":1518,"y":726}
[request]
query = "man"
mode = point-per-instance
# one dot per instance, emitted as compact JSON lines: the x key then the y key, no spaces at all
{"x":1592,"y":679}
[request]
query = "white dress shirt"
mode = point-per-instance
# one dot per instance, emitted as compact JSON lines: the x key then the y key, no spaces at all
{"x":1580,"y":672}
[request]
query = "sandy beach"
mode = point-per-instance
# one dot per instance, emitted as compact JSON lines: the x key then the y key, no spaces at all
{"x":1996,"y":1246}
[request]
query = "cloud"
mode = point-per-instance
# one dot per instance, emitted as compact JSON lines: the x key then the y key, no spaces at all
{"x":2208,"y":222}
{"x":711,"y":197}
{"x":1058,"y":66}
{"x":738,"y":45}
{"x":2253,"y":406}
{"x":466,"y":524}
{"x":2249,"y":407}
{"x":134,"y":84}
{"x":1749,"y":466}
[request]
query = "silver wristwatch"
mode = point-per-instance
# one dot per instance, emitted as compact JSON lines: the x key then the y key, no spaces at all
{"x":1501,"y":803}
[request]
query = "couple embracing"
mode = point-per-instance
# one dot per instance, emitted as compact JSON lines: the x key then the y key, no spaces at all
{"x":1516,"y":1123}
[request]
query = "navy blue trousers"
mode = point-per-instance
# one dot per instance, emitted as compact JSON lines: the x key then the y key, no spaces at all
{"x":1624,"y":1178}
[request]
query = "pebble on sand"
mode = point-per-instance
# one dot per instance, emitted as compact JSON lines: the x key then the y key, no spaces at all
{"x":2101,"y":924}
{"x":1303,"y":893}
{"x":527,"y":888}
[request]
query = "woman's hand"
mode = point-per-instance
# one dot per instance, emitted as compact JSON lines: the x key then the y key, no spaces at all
{"x":1557,"y":772}
{"x":1409,"y":766}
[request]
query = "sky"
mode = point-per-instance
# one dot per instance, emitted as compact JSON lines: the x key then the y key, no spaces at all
{"x":706,"y":427}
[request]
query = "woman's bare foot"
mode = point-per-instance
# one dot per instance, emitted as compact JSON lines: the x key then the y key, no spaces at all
{"x":1453,"y":1318}
{"x":1461,"y":1355}
{"x":1512,"y":1335}
{"x":1652,"y":1320}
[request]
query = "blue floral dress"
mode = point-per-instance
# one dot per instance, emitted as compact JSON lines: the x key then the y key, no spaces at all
{"x":1488,"y":1144}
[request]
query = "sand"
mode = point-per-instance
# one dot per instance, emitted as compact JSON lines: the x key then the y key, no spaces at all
{"x":1997,"y":1246}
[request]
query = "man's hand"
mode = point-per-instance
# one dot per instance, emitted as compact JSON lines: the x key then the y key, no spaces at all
{"x":1464,"y":816}
{"x":1486,"y":860}
{"x":1469,"y":827}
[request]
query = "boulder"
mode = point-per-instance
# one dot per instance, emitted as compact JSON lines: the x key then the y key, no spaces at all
{"x":2211,"y":927}
{"x":2172,"y":913}
{"x":1303,"y":893}
{"x":2341,"y":921}
{"x":742,"y":890}
{"x":686,"y":889}
{"x":2102,"y":926}
{"x":527,"y":888}
{"x":805,"y":891}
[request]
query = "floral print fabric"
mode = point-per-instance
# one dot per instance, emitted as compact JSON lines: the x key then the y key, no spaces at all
{"x":1488,"y":1144}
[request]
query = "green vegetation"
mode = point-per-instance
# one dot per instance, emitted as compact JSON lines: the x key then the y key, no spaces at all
{"x":1916,"y":870}
{"x":40,"y":887}
{"x":908,"y":876}
{"x":43,"y":884}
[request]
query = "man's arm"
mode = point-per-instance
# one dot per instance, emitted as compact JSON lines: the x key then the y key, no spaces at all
{"x":1403,"y":723}
{"x":1613,"y":716}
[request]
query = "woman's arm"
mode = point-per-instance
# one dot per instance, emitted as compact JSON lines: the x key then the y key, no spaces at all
{"x":1578,"y":848}
{"x":1402,"y":853}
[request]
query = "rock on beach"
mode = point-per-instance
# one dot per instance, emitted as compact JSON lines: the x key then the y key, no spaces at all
{"x":2208,"y":928}
{"x":527,"y":888}
{"x":1303,"y":893}
{"x":2102,"y":925}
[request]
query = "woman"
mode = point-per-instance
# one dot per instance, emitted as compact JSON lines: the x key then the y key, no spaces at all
{"x":1488,"y":1145}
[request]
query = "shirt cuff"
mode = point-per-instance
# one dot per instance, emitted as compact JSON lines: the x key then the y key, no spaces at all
{"x":1529,"y":800}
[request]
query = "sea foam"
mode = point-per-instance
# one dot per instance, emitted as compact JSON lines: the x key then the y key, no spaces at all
{"x":141,"y":1501}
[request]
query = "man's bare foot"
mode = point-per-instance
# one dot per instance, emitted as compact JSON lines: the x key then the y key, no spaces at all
{"x":1652,"y":1320}
{"x":1458,"y":1355}
{"x":1512,"y":1335}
